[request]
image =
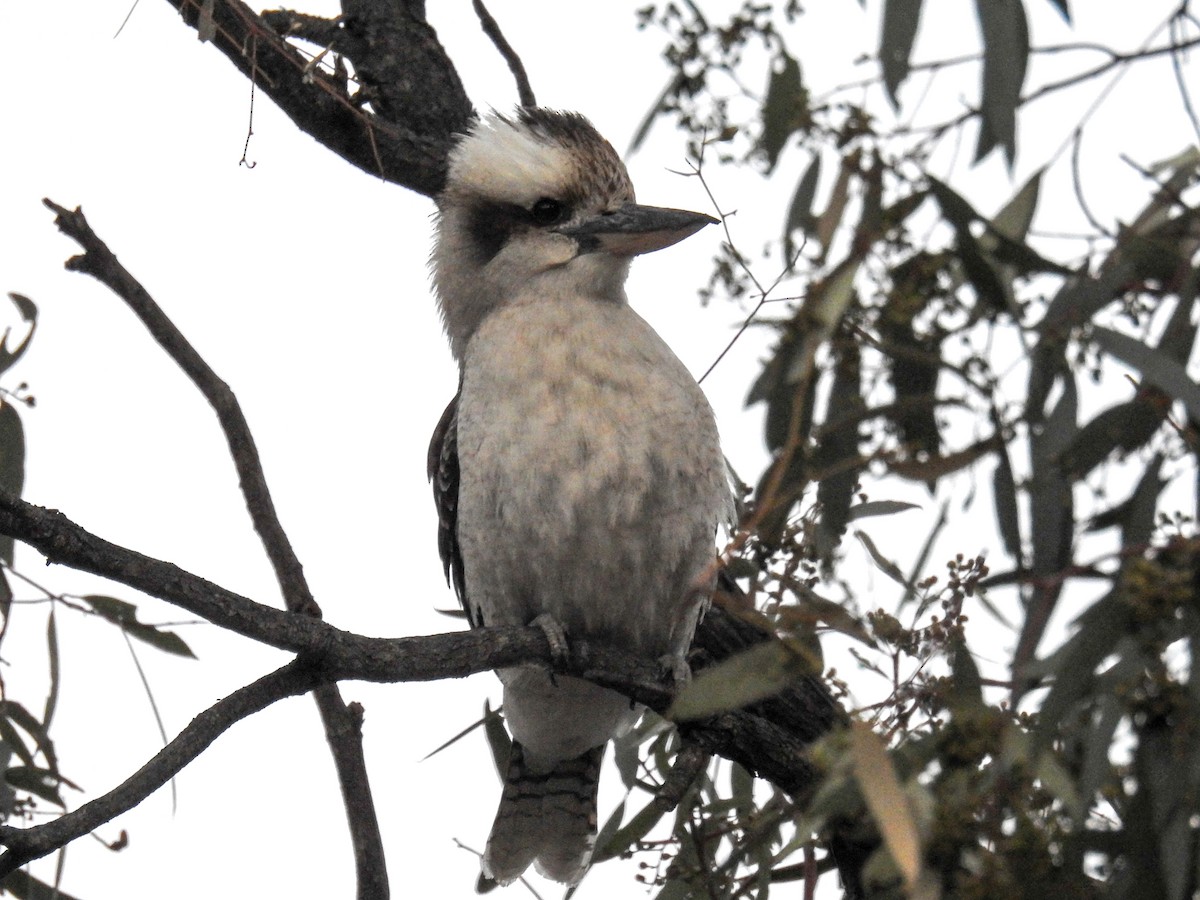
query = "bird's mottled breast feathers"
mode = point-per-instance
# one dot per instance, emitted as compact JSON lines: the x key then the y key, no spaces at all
{"x":535,"y":154}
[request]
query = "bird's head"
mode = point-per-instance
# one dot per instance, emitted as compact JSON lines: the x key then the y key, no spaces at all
{"x":539,"y":205}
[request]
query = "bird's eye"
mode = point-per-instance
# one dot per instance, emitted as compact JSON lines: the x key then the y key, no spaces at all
{"x":547,"y":211}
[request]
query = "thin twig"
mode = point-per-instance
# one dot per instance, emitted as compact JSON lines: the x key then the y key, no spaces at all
{"x":492,"y":29}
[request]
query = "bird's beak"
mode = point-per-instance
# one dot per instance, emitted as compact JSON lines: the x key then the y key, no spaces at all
{"x":634,"y":229}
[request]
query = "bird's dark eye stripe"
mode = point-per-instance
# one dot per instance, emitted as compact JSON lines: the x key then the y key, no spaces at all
{"x":490,"y":226}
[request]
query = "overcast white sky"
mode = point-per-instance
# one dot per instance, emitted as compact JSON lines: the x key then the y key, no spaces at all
{"x":303,"y":283}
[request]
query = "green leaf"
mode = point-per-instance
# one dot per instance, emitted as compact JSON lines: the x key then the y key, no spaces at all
{"x":829,"y":220}
{"x":800,"y":214}
{"x":498,"y":740}
{"x":742,"y":679}
{"x":885,"y":565}
{"x":1061,"y":6}
{"x":19,"y":715}
{"x":784,"y":109}
{"x":1125,"y":427}
{"x":12,"y":465}
{"x":886,"y":800}
{"x":1004,"y":491}
{"x":634,"y":830}
{"x":52,"y":656}
{"x":813,"y":609}
{"x":900,"y":21}
{"x":657,"y":108}
{"x":1005,"y":33}
{"x":828,"y":300}
{"x":1073,"y":665}
{"x":28,"y":311}
{"x":1014,"y":219}
{"x":449,"y":742}
{"x":124,"y":614}
{"x":11,"y":738}
{"x":741,"y":788}
{"x":1157,"y":367}
{"x":37,"y":781}
{"x":968,"y":686}
{"x":24,"y":886}
{"x":611,"y":826}
{"x":880,"y":508}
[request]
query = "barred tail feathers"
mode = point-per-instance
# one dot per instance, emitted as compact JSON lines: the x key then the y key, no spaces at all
{"x":547,"y":817}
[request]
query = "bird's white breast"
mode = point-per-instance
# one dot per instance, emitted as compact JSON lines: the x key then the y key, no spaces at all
{"x":592,"y":474}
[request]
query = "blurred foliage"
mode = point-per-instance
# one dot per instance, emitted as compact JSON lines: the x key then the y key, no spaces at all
{"x":932,"y":341}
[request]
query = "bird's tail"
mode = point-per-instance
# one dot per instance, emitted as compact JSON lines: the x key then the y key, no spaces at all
{"x":548,"y":816}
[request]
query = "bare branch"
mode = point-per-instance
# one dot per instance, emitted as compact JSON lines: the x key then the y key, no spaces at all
{"x":408,"y":152}
{"x":492,"y":29}
{"x":341,"y":724}
{"x":25,"y":844}
{"x":99,"y":262}
{"x":775,"y":750}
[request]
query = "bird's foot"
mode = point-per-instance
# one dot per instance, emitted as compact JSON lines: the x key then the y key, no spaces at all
{"x":675,"y":670}
{"x":556,"y":636}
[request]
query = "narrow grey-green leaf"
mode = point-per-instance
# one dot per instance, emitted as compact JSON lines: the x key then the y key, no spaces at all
{"x":880,"y":508}
{"x":28,"y":310}
{"x":12,"y":465}
{"x":1004,"y":490}
{"x":1156,"y":367}
{"x":800,"y":214}
{"x":784,"y":108}
{"x":742,"y":679}
{"x":885,"y":565}
{"x":1125,"y":427}
{"x":652,"y":114}
{"x":498,"y":740}
{"x":1061,"y":6}
{"x":634,"y":830}
{"x":1014,"y":219}
{"x":1005,"y":32}
{"x":24,"y":886}
{"x":968,"y":686}
{"x":1073,"y":665}
{"x":22,"y":717}
{"x":900,"y":21}
{"x":1179,"y":336}
{"x":52,"y":656}
{"x":124,"y":614}
{"x":37,"y":781}
{"x":611,"y":825}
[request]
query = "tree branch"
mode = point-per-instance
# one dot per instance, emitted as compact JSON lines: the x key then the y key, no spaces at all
{"x":25,"y":844}
{"x":776,"y":752}
{"x":408,"y":152}
{"x":492,"y":29}
{"x":341,"y":724}
{"x":99,"y":262}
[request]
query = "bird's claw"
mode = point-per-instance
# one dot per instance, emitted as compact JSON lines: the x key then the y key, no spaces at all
{"x":556,"y":636}
{"x":675,"y":669}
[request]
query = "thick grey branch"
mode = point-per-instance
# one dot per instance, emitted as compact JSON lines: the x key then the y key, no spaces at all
{"x":409,"y":153}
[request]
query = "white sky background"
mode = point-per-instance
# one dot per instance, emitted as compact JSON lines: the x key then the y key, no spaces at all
{"x":303,"y":283}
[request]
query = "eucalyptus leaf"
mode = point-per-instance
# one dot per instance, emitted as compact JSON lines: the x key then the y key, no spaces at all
{"x":744,"y":678}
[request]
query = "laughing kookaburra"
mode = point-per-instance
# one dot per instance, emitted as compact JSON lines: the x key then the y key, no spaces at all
{"x":578,"y":473}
